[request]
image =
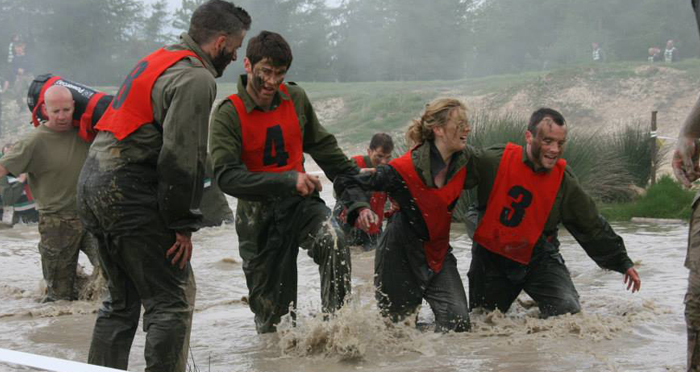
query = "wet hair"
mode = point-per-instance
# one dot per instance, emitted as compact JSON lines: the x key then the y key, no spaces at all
{"x":382,"y":140}
{"x":539,"y":115}
{"x":269,"y":45}
{"x":435,"y":115}
{"x":217,"y":17}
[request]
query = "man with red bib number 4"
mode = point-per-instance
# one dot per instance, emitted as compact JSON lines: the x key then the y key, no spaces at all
{"x":258,"y":137}
{"x":523,"y":196}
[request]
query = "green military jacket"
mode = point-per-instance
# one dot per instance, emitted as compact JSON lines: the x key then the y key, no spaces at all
{"x":573,"y":208}
{"x":175,"y":146}
{"x":226,"y":140}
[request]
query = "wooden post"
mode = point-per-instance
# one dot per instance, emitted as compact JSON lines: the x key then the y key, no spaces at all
{"x":653,"y":148}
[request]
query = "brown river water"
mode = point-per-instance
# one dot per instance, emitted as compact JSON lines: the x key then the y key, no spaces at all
{"x":616,"y":331}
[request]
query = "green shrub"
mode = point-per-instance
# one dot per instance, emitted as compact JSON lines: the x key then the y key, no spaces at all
{"x":666,"y":199}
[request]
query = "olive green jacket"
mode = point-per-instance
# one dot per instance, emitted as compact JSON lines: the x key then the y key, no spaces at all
{"x":225,"y":145}
{"x":175,"y":146}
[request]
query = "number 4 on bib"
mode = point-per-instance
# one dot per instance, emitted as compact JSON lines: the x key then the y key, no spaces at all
{"x":274,"y":152}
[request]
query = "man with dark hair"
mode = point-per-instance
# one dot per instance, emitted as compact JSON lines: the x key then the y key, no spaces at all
{"x":257,"y":140}
{"x":523,"y":196}
{"x":140,"y":189}
{"x":379,"y":152}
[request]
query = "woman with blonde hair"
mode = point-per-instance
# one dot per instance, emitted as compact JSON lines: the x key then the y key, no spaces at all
{"x":414,"y":260}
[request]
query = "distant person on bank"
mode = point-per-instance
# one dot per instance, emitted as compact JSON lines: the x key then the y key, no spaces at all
{"x":524,"y":194}
{"x":671,"y":52}
{"x":379,"y":153}
{"x":597,"y":53}
{"x":52,"y":155}
{"x":654,"y":55}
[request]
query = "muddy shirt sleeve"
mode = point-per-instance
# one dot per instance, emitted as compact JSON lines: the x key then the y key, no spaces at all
{"x":231,"y":174}
{"x":187,"y":97}
{"x":580,"y":216}
{"x":321,"y":145}
{"x":353,"y":189}
{"x":19,"y":159}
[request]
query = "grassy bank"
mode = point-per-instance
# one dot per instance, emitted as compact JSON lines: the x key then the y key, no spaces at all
{"x":666,"y":199}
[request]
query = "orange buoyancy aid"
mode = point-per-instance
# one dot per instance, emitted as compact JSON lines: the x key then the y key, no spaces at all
{"x":131,"y":107}
{"x":89,"y":103}
{"x":518,"y":206}
{"x":376,"y":202}
{"x":272,"y":140}
{"x":434,"y":205}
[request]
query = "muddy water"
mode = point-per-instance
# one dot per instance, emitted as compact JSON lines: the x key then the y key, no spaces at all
{"x":617,"y":331}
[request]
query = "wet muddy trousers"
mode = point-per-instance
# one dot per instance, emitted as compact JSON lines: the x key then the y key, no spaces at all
{"x":270,"y":235}
{"x":62,"y":238}
{"x":692,"y":320}
{"x":693,"y":350}
{"x":403,"y":280}
{"x":139,"y":274}
{"x":495,"y":282}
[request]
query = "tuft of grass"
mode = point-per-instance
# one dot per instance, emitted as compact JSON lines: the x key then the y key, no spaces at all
{"x":666,"y":199}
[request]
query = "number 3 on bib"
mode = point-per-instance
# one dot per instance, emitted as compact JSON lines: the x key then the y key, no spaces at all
{"x":274,"y":152}
{"x":514,"y":217}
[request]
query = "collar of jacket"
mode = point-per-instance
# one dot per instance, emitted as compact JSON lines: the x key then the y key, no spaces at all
{"x":192,"y":45}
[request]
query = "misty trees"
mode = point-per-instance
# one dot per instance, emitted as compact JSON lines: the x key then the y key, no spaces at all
{"x":181,"y":18}
{"x":97,"y":41}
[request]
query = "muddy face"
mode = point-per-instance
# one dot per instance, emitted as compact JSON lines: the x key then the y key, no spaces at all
{"x":546,"y":146}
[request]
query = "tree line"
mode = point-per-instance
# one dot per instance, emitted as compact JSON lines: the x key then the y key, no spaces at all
{"x":97,"y":41}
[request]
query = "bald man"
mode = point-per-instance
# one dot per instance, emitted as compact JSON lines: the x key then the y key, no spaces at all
{"x":52,"y":155}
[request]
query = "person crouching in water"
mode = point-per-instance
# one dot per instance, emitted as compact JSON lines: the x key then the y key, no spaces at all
{"x":414,"y":260}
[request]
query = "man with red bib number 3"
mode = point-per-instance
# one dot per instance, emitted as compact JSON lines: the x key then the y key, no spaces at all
{"x":523,"y":195}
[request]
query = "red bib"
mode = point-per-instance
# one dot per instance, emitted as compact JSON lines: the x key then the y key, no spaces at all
{"x":271,"y":140}
{"x":131,"y":107}
{"x":84,"y":124}
{"x":518,"y":206}
{"x":434,"y":206}
{"x":376,"y":202}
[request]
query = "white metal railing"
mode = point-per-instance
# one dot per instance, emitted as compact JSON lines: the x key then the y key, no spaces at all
{"x":48,"y":363}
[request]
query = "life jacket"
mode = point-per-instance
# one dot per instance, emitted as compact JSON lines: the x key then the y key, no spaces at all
{"x":131,"y":107}
{"x":518,"y":206}
{"x":272,"y":140}
{"x":90,"y":104}
{"x":434,"y":205}
{"x":376,"y":202}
